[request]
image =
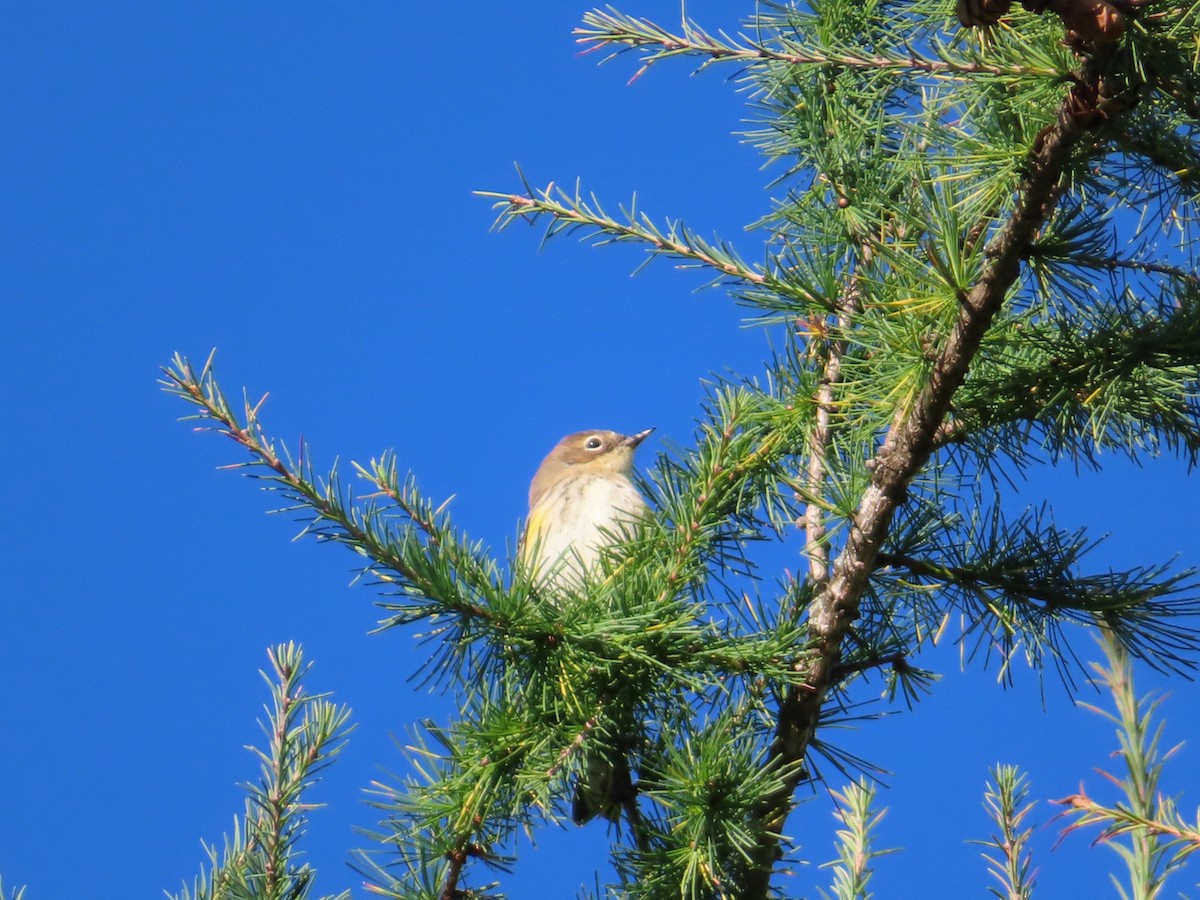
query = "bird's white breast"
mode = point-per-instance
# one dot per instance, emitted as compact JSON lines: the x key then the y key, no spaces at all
{"x":577,"y":518}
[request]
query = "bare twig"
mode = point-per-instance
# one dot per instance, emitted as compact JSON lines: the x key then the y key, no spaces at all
{"x":898,"y":661}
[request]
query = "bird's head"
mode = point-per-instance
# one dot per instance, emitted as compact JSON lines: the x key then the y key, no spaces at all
{"x":594,"y":452}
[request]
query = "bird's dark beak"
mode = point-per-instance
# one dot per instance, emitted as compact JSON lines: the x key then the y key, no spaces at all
{"x":632,"y":440}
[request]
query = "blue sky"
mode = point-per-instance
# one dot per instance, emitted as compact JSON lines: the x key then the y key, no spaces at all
{"x":292,"y":184}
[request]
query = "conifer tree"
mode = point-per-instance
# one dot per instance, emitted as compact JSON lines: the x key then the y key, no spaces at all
{"x":979,"y":258}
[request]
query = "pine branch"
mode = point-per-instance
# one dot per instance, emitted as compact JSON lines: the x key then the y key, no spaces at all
{"x":704,"y":788}
{"x":305,"y":732}
{"x":429,"y":561}
{"x":333,"y":519}
{"x":1119,"y":820}
{"x":855,"y":842}
{"x":569,"y":213}
{"x":473,"y":787}
{"x":1145,"y":817}
{"x":905,"y":451}
{"x":609,"y":27}
{"x":1009,"y":859}
{"x":1017,"y":582}
{"x":1104,"y":376}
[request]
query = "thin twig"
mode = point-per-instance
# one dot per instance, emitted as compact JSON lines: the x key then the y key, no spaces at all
{"x":898,"y":661}
{"x":1138,"y":265}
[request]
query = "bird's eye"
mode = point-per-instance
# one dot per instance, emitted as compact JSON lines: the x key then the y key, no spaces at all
{"x":593,"y":443}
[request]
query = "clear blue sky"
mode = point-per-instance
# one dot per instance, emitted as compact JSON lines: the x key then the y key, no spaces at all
{"x":291,"y":184}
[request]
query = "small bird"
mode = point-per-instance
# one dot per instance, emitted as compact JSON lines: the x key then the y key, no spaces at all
{"x":581,"y":501}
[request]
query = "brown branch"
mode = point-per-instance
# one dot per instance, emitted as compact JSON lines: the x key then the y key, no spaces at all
{"x":203,"y":392}
{"x":816,"y":549}
{"x":458,"y":859}
{"x":906,"y":449}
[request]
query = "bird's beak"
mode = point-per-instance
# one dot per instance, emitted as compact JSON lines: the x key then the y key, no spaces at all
{"x":632,"y":440}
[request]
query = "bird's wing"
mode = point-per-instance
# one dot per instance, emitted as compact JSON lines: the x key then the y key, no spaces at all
{"x":534,"y":531}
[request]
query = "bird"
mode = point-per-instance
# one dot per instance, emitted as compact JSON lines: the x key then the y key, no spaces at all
{"x":581,"y":501}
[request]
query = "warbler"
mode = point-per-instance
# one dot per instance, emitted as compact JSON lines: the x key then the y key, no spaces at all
{"x":583,"y":500}
{"x":580,"y":501}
